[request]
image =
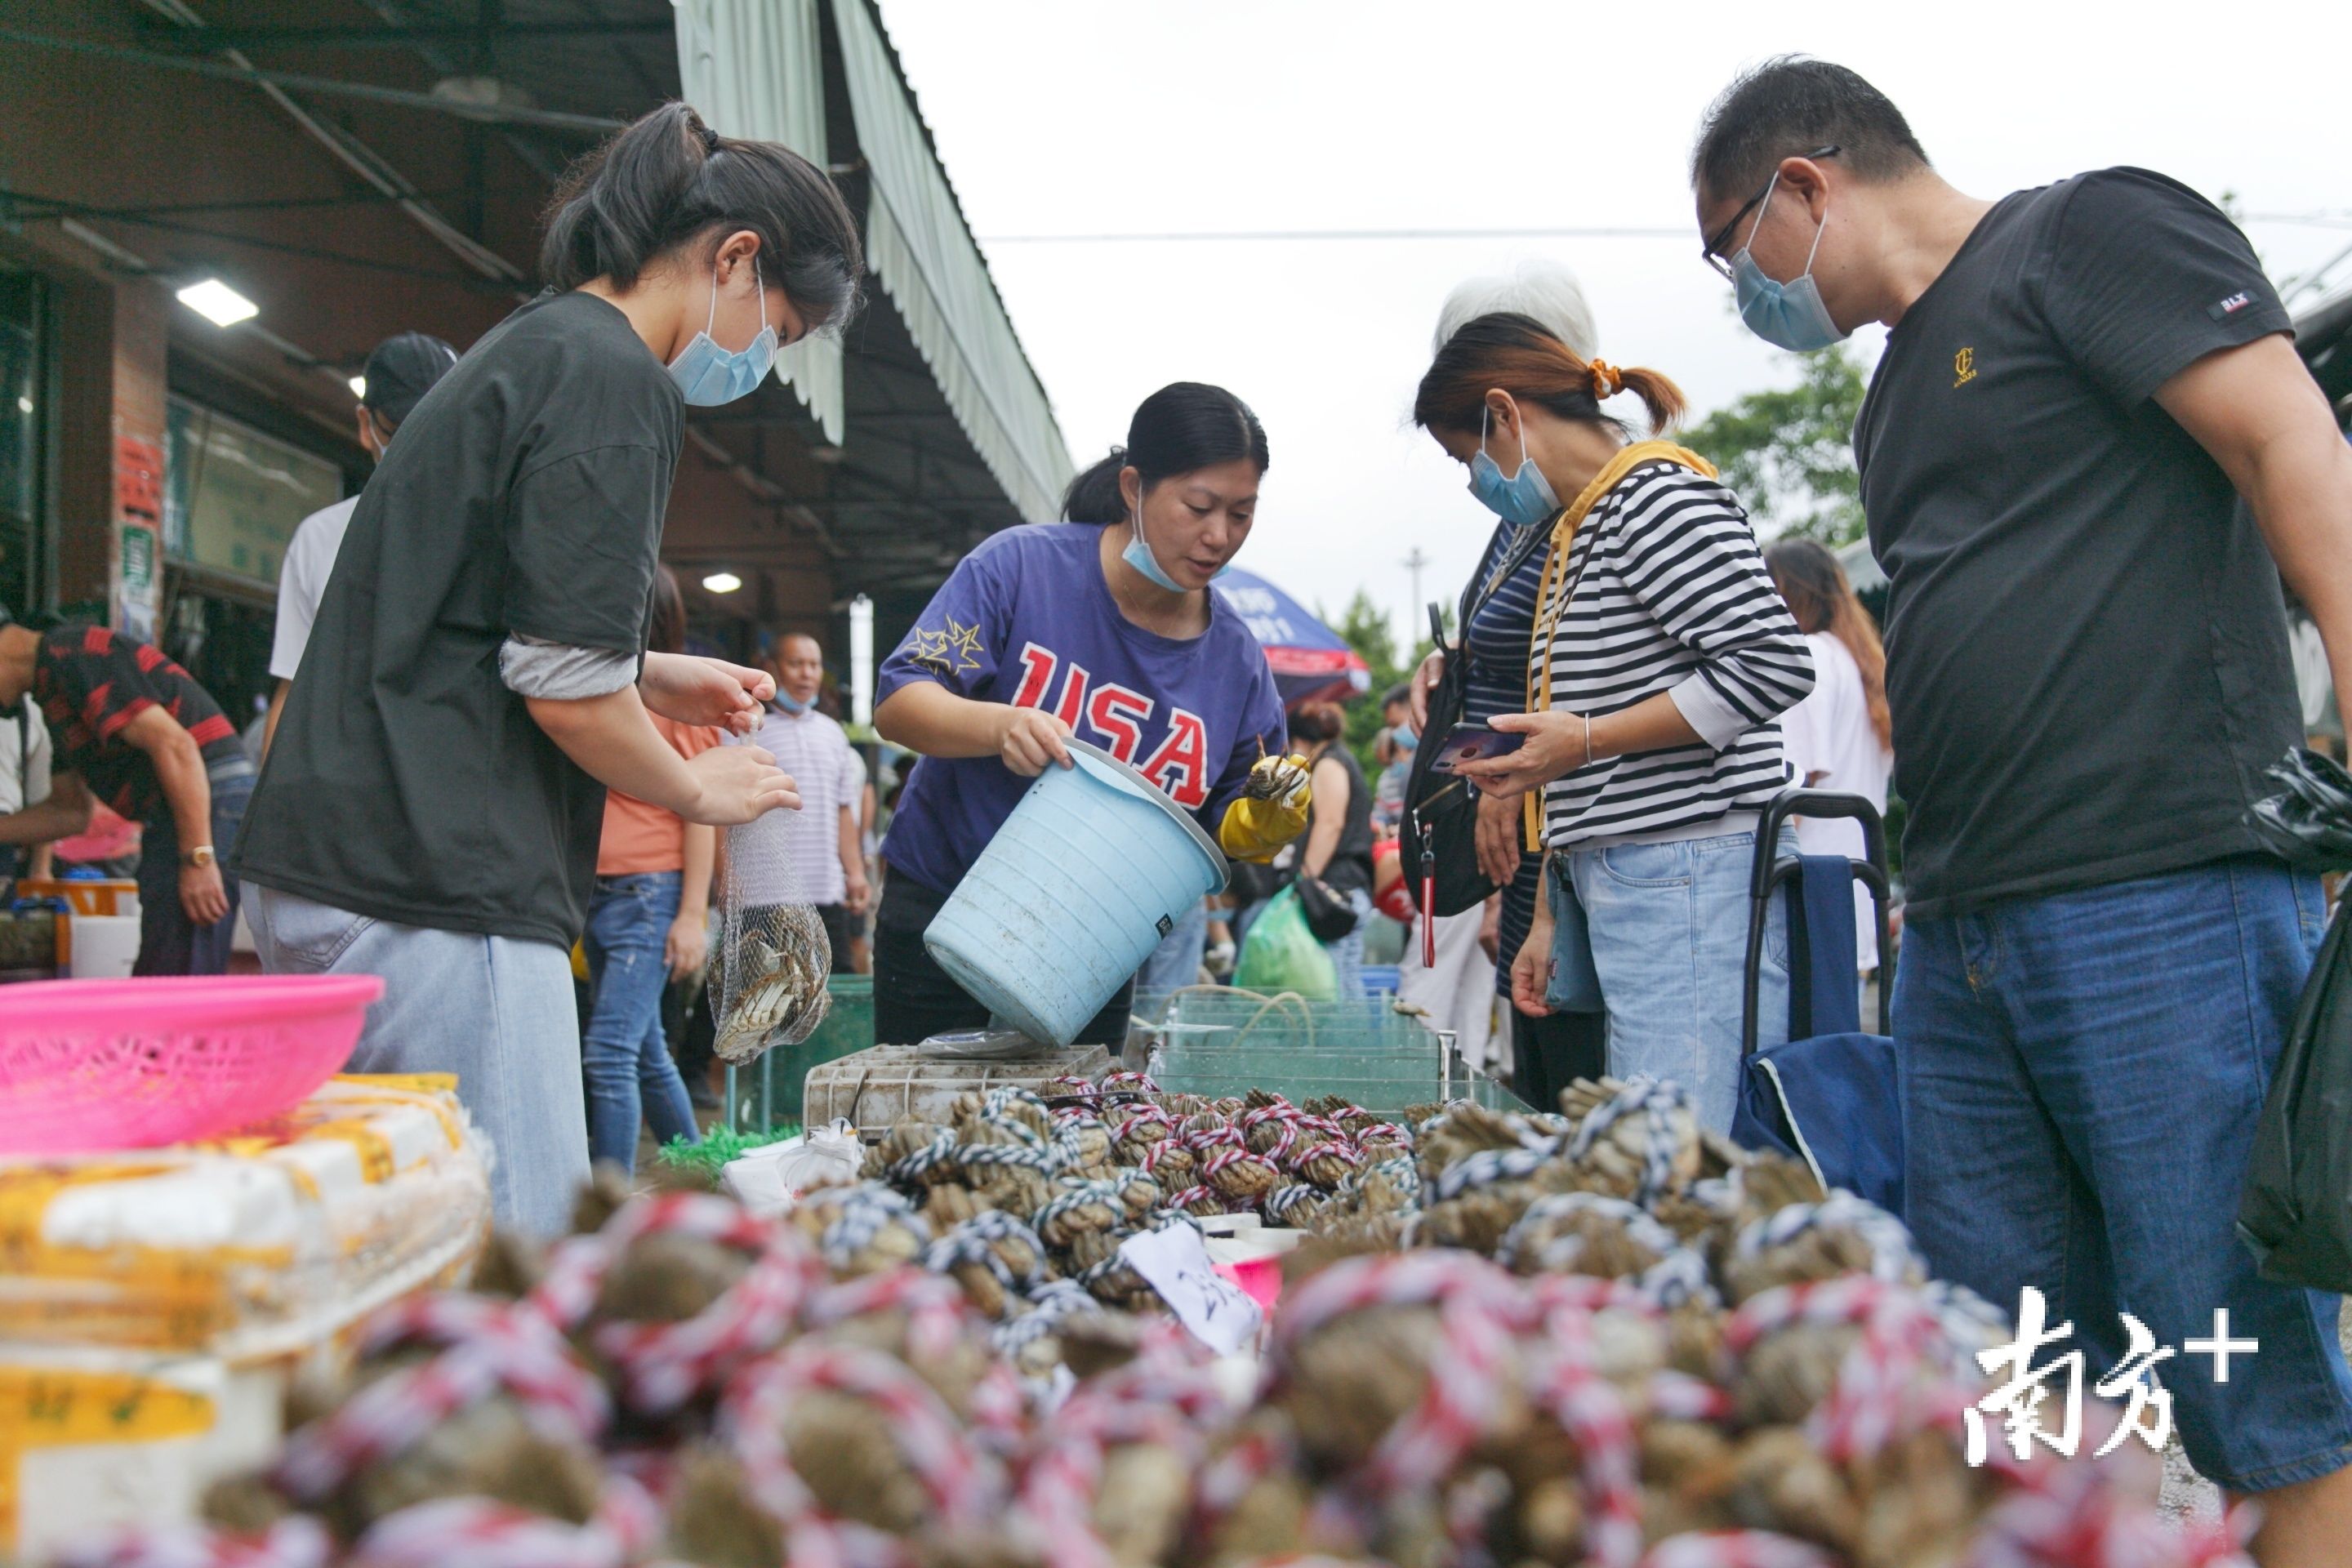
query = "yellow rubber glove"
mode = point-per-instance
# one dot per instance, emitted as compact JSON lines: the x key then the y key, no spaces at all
{"x":1270,"y":812}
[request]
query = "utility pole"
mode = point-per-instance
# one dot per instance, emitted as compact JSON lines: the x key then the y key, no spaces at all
{"x":1413,"y":561}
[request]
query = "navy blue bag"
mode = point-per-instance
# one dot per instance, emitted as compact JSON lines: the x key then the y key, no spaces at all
{"x":1829,"y":1097}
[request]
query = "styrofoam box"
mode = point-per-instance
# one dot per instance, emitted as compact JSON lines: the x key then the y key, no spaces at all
{"x":873,"y":1089}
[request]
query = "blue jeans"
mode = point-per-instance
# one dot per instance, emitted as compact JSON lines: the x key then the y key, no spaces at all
{"x":498,"y":1011}
{"x":1176,"y":962}
{"x":627,"y":1061}
{"x":169,"y":941}
{"x":1347,"y":953}
{"x":2081,"y":1078}
{"x":1669,"y":935}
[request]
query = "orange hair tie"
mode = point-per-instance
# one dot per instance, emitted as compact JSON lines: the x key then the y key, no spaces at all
{"x":1607,"y":380}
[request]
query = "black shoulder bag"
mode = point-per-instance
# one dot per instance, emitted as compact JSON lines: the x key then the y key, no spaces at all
{"x":1441,"y":816}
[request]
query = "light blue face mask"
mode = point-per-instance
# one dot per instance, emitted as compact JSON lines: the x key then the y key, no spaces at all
{"x":1524,"y":499}
{"x":789,"y":703}
{"x":708,"y":375}
{"x":1139,"y":555}
{"x":1404,"y":739}
{"x":1786,"y":315}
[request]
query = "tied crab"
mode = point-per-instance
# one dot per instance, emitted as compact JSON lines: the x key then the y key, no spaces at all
{"x":771,"y":983}
{"x":1274,"y":777}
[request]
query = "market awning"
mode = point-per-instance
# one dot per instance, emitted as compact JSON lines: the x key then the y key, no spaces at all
{"x":1311,"y":662}
{"x":756,"y":69}
{"x":921,"y":252}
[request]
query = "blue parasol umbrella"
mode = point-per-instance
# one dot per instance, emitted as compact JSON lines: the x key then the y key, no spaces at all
{"x":1311,"y":662}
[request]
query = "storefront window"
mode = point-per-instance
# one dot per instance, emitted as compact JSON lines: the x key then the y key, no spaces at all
{"x":233,"y":496}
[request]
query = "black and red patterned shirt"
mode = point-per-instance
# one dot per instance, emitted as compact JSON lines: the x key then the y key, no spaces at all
{"x":89,"y":683}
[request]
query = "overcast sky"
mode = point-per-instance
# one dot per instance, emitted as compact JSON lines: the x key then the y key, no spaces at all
{"x":1066,"y":117}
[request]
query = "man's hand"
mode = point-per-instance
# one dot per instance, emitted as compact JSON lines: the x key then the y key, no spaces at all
{"x":1531,"y":969}
{"x":855,"y":890}
{"x":688,"y":945}
{"x":707,"y":691}
{"x":738,"y":783}
{"x":1423,"y":679}
{"x":1030,"y":740}
{"x":1555,"y":748}
{"x":1499,"y":820}
{"x":203,"y":895}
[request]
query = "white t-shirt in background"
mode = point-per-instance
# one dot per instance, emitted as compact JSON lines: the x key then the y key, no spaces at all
{"x":302,"y":582}
{"x":1829,"y":733}
{"x":24,"y":774}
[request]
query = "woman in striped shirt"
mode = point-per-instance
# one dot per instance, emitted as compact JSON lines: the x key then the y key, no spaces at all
{"x":1661,"y":659}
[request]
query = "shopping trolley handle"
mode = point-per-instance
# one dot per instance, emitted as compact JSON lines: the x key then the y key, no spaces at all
{"x":1819,"y":803}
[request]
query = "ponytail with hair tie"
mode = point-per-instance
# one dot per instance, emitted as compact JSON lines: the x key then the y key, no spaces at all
{"x":1518,"y":355}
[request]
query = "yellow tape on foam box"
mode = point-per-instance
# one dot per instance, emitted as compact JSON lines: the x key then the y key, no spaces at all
{"x":254,"y":1245}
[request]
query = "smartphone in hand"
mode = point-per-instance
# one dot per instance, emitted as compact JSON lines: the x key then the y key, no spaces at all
{"x":1473,"y":741}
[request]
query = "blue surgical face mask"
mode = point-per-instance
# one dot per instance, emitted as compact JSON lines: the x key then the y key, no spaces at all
{"x":708,"y":375}
{"x":1139,"y":555}
{"x":1786,"y":315}
{"x":789,"y":703}
{"x":1524,"y":499}
{"x":1404,"y":739}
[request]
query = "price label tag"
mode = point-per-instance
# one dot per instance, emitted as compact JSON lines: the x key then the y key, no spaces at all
{"x":1176,"y":1263}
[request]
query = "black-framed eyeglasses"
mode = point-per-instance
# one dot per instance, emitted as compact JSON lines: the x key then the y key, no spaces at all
{"x":1712,"y":252}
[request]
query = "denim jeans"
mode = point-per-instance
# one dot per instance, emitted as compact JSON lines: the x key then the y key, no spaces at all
{"x":624,"y":1051}
{"x":2081,"y":1077}
{"x":497,"y":1011}
{"x":1176,"y":962}
{"x":169,"y":941}
{"x":1347,"y":951}
{"x":1669,"y":935}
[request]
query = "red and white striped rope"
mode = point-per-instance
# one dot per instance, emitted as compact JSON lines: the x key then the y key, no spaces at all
{"x":295,"y":1541}
{"x":485,"y":1347}
{"x":961,"y":1485}
{"x":663,"y":1366}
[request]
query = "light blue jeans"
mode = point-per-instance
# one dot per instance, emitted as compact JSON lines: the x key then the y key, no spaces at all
{"x":1347,"y":953}
{"x":497,"y":1011}
{"x":631,"y":1076}
{"x":1669,"y":934}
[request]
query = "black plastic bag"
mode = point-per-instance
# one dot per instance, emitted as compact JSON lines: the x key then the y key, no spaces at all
{"x":2296,"y":1215}
{"x":2310,"y":826}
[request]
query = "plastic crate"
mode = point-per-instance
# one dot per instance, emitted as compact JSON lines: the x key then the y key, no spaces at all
{"x":768,"y":1093}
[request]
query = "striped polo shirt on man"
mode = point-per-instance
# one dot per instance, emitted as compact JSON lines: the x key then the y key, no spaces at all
{"x":804,"y":867}
{"x":1668,"y":593}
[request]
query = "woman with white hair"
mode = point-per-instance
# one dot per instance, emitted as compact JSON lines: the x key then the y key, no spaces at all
{"x":1547,"y":1053}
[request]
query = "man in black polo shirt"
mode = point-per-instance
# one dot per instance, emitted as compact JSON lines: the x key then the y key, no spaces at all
{"x":2088,"y":664}
{"x":133,"y":728}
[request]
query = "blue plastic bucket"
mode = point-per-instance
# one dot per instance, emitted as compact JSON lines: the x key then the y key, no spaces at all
{"x":1072,"y":895}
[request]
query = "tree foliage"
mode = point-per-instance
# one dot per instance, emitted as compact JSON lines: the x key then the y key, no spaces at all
{"x":1366,"y":627}
{"x":1789,"y":455}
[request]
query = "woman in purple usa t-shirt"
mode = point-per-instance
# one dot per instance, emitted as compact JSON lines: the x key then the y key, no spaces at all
{"x":1107,"y":634}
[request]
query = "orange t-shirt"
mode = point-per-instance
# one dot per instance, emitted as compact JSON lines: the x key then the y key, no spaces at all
{"x":640,"y":838}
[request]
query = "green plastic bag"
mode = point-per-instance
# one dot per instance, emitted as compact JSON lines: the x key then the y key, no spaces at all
{"x":1281,"y":954}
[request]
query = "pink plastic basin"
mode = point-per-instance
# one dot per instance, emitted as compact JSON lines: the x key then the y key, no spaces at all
{"x":135,"y":1064}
